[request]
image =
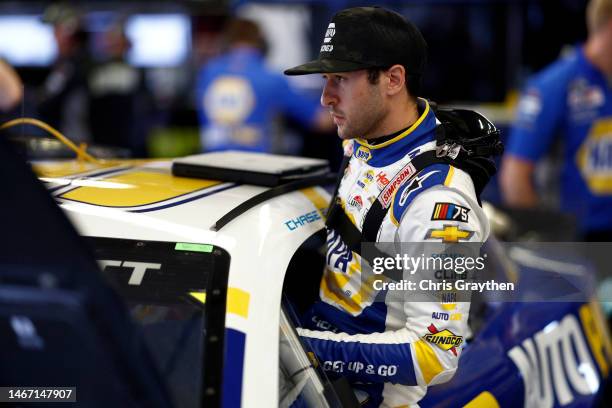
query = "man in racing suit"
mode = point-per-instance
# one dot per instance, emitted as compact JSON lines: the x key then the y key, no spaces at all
{"x":372,"y":60}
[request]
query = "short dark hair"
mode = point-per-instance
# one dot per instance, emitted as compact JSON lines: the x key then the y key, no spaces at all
{"x":413,"y":81}
{"x":241,"y":30}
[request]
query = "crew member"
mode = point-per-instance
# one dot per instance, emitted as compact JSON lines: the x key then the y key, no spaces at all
{"x":570,"y":99}
{"x":239,"y":98}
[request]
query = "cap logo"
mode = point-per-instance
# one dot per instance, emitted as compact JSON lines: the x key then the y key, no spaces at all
{"x":329,"y":34}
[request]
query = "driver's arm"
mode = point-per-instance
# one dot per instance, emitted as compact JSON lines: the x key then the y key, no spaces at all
{"x":406,"y":356}
{"x":540,"y":114}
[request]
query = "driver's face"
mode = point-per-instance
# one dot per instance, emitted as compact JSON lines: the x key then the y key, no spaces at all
{"x":357,"y":106}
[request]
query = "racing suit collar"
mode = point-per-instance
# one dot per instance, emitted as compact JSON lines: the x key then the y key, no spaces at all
{"x":422,"y":106}
{"x":421,"y":132}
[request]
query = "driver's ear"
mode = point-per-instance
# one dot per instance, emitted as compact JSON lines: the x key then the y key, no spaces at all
{"x":396,"y":79}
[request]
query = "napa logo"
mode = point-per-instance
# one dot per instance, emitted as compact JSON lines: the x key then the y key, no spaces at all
{"x":229,"y":100}
{"x":594,"y":158}
{"x":363,"y":153}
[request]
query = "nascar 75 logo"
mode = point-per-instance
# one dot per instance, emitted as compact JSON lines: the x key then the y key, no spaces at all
{"x":450,"y":212}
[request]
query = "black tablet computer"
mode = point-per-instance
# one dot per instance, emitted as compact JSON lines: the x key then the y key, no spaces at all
{"x":260,"y":169}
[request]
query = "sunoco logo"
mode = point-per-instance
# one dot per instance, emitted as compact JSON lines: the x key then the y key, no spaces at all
{"x":445,"y":339}
{"x":445,"y":342}
{"x":405,"y":173}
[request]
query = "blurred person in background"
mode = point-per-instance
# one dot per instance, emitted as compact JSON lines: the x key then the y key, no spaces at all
{"x":11,"y":87}
{"x":120,"y":104}
{"x":570,"y":99}
{"x":239,"y":98}
{"x":65,"y":97}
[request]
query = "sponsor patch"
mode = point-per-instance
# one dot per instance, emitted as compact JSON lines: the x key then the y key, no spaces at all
{"x":302,"y":220}
{"x":445,"y":339}
{"x":449,"y":212}
{"x":356,"y":202}
{"x":404,"y":174}
{"x":446,"y":316}
{"x":382,"y":180}
{"x":414,"y":185}
{"x":530,"y":104}
{"x":363,"y":153}
{"x":582,"y":96}
{"x":449,"y":233}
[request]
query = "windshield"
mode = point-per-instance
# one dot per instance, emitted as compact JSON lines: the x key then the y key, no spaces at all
{"x":164,"y":285}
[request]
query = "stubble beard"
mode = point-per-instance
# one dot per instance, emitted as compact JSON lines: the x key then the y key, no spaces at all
{"x":366,"y":119}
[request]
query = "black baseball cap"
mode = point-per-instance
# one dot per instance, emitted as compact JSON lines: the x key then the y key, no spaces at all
{"x":368,"y":37}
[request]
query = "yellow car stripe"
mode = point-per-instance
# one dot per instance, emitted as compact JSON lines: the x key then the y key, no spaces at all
{"x":68,"y":168}
{"x":428,"y":360}
{"x":237,"y":301}
{"x":316,"y":199}
{"x":140,"y":187}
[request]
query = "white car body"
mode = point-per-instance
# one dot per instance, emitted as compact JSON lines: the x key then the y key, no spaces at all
{"x":141,"y":200}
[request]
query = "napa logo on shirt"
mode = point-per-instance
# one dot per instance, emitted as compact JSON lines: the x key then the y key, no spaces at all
{"x":594,"y":157}
{"x":363,"y":153}
{"x":229,"y":100}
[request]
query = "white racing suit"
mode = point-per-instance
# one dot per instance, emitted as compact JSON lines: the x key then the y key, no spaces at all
{"x":381,"y":346}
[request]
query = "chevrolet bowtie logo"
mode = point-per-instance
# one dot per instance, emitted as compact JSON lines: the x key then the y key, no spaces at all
{"x":450,"y":233}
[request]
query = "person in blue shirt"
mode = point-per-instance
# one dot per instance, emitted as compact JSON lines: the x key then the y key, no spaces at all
{"x":239,"y":98}
{"x":570,"y":99}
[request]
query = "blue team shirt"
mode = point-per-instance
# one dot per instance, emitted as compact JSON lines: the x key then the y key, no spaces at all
{"x":571,"y":99}
{"x":238,"y":98}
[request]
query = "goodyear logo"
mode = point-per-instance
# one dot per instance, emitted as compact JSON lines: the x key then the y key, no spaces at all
{"x":404,"y":174}
{"x":363,"y":153}
{"x":445,"y":339}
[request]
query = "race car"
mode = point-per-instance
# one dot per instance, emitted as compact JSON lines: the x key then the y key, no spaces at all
{"x":211,"y":272}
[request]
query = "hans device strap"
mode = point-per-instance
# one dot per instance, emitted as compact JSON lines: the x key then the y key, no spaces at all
{"x":339,"y":221}
{"x":464,"y":139}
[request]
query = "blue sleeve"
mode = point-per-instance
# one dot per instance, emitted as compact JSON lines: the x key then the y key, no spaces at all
{"x":540,"y":111}
{"x":365,"y":362}
{"x":374,"y":357}
{"x":299,"y":106}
